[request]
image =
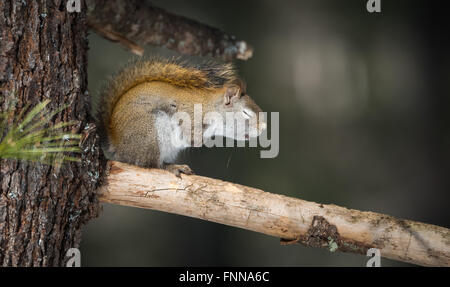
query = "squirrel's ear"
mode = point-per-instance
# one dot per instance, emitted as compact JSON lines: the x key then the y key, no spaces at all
{"x":231,"y":92}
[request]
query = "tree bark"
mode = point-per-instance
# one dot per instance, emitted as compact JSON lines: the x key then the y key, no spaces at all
{"x":43,"y":54}
{"x":134,"y":23}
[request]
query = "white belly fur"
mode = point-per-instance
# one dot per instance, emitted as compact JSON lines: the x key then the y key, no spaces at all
{"x":170,"y":138}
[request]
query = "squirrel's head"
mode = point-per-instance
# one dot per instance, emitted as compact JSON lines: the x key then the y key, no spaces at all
{"x":234,"y":105}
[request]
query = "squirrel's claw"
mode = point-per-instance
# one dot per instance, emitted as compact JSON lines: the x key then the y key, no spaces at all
{"x":178,"y":169}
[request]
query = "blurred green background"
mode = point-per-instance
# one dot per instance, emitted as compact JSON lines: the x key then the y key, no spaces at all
{"x":363,"y":124}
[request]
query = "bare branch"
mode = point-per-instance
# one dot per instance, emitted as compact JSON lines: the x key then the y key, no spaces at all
{"x":133,"y":23}
{"x":294,"y":220}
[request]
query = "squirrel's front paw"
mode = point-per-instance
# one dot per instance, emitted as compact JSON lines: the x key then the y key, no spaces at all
{"x":178,"y":169}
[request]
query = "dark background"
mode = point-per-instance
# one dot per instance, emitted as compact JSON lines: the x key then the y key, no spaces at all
{"x":363,"y":105}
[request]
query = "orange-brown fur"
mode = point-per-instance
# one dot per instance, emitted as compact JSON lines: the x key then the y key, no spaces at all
{"x":123,"y":109}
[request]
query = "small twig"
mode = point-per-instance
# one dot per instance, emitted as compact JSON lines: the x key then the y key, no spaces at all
{"x":294,"y":220}
{"x":134,"y":23}
{"x":115,"y":37}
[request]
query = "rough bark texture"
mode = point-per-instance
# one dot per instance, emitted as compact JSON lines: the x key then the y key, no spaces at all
{"x":295,"y":220}
{"x":133,"y":23}
{"x":43,"y":53}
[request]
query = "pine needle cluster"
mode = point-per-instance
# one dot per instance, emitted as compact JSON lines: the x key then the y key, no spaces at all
{"x":30,"y":137}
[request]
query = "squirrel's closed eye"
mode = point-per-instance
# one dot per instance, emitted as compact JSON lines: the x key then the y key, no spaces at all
{"x":247,"y":114}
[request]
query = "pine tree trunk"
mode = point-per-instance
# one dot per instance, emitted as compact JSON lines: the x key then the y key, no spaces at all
{"x":43,"y":55}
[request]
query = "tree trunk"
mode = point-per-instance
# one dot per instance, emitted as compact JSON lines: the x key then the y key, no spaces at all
{"x":43,"y":55}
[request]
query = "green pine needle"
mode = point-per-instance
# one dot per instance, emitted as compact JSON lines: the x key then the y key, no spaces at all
{"x":29,"y":137}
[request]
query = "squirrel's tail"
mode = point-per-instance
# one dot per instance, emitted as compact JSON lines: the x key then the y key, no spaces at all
{"x":176,"y":71}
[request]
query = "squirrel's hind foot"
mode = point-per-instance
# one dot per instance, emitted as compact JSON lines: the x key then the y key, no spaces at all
{"x":178,"y":169}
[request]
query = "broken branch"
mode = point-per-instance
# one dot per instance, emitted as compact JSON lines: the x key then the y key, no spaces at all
{"x":134,"y":23}
{"x":294,"y":220}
